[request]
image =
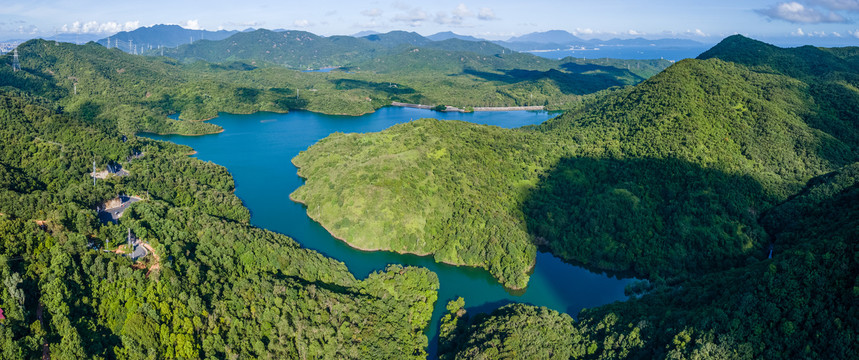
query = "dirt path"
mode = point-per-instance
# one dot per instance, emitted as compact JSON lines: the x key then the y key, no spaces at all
{"x":157,"y":264}
{"x":46,"y":349}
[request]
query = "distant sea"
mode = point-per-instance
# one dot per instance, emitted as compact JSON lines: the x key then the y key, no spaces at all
{"x":626,"y":52}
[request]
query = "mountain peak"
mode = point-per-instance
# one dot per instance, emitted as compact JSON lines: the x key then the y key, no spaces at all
{"x":734,"y":45}
{"x":799,"y":62}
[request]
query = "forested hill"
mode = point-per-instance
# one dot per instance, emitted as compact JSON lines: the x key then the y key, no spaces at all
{"x":304,"y":50}
{"x":764,"y":309}
{"x":301,"y":50}
{"x":211,"y":285}
{"x":666,"y":179}
{"x":803,"y":62}
{"x":131,"y":93}
{"x":137,"y":93}
{"x":686,"y":181}
{"x":293,"y":49}
{"x":397,"y":38}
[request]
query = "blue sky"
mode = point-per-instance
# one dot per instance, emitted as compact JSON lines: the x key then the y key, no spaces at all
{"x":806,"y":21}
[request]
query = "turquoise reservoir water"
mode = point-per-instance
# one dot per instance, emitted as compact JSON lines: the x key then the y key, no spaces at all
{"x":257,"y":150}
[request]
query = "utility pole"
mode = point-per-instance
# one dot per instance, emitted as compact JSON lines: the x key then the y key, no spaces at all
{"x":16,"y":65}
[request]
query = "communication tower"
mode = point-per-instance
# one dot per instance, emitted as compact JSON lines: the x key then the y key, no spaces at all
{"x":16,"y":65}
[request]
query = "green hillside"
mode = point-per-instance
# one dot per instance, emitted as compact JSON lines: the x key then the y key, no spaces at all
{"x":133,"y":93}
{"x":137,"y":93}
{"x":450,"y":72}
{"x":293,"y":49}
{"x":214,"y":287}
{"x":663,"y":180}
{"x":396,"y":38}
{"x":802,"y":303}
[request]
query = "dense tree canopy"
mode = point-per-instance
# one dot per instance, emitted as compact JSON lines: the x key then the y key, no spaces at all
{"x":214,"y":287}
{"x":665,"y":179}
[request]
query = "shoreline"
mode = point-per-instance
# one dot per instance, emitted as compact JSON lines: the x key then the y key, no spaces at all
{"x":476,"y":108}
{"x":512,"y":288}
{"x":180,"y":134}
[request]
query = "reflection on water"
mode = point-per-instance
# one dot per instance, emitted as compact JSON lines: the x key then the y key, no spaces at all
{"x":251,"y":144}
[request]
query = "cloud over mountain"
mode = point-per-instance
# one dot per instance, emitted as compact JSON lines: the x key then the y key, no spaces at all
{"x":796,"y":12}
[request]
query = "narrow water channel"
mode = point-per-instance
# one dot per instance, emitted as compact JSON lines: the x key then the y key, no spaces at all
{"x":257,"y":150}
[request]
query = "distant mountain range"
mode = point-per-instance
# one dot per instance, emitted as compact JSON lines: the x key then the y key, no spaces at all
{"x":450,"y":35}
{"x":145,"y":38}
{"x":397,"y":38}
{"x":288,"y":48}
{"x":559,"y":39}
{"x":304,"y":50}
{"x":170,"y":36}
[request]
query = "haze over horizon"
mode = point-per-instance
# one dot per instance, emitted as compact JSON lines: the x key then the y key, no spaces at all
{"x":816,"y":22}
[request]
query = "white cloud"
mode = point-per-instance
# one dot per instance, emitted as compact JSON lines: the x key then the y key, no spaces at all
{"x":401,"y":6}
{"x":585,"y":31}
{"x":373,"y":13}
{"x":632,"y":32}
{"x":854,"y":33}
{"x":486,"y":14}
{"x":192,"y":24}
{"x":414,"y":17}
{"x":94,"y":27}
{"x":456,"y":17}
{"x":798,"y":13}
{"x":696,"y":32}
{"x":442,"y":18}
{"x":798,"y":32}
{"x":836,"y":34}
{"x":462,"y":11}
{"x":28,"y":29}
{"x":301,"y":23}
{"x":848,"y":5}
